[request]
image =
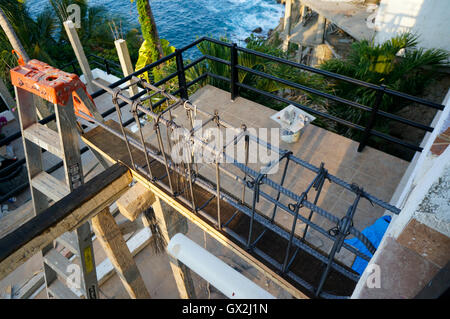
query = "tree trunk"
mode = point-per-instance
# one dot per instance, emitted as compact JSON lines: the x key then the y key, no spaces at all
{"x":12,"y":36}
{"x":148,"y":25}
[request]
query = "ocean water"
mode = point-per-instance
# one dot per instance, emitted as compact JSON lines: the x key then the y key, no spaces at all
{"x":183,"y":21}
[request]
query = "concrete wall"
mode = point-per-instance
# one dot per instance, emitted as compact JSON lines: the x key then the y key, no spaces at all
{"x":428,"y":18}
{"x":425,"y":174}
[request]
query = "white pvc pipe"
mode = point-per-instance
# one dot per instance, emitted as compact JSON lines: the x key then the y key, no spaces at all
{"x":227,"y":280}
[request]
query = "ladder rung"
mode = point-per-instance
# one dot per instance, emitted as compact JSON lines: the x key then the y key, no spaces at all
{"x":69,"y":240}
{"x":45,"y":138}
{"x":60,"y":291}
{"x":58,"y":263}
{"x":50,"y":186}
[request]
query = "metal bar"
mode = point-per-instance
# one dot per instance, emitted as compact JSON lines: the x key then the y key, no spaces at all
{"x":341,"y":77}
{"x":297,"y":207}
{"x":318,"y":189}
{"x":343,"y":230}
{"x":372,"y":119}
{"x":279,"y":192}
{"x":234,"y":72}
{"x":181,"y":75}
{"x":336,"y":98}
{"x":333,"y":118}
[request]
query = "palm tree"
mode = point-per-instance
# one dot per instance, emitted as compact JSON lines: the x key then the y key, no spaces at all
{"x":396,"y":63}
{"x":11,"y":34}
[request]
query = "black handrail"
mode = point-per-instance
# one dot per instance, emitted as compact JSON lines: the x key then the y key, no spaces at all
{"x":235,"y":85}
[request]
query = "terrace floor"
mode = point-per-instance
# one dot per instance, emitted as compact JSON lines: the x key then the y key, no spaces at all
{"x":378,"y":172}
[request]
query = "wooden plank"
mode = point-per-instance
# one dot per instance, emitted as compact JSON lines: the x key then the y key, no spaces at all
{"x":181,"y":273}
{"x":50,"y":186}
{"x":135,"y":201}
{"x":101,"y":140}
{"x":45,"y":138}
{"x":127,"y":226}
{"x":77,"y":47}
{"x":111,"y":239}
{"x":65,"y":215}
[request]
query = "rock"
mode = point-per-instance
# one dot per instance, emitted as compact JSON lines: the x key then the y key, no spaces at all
{"x":257,"y":30}
{"x":269,"y":33}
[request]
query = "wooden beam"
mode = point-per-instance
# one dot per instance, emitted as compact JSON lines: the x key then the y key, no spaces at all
{"x":67,"y":214}
{"x":135,"y":201}
{"x":111,"y":239}
{"x":125,"y":63}
{"x":79,"y":53}
{"x":181,"y":273}
{"x":126,"y":226}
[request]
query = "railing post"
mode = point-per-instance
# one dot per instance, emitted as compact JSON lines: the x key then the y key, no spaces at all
{"x":181,"y":75}
{"x":125,"y":63}
{"x":372,"y":119}
{"x":234,"y":72}
{"x":108,"y":70}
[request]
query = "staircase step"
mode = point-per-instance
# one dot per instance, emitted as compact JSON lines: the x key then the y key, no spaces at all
{"x":50,"y":186}
{"x":69,"y":240}
{"x":45,"y":138}
{"x":60,"y":291}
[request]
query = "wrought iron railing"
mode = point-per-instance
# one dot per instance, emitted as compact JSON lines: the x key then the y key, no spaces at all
{"x":235,"y":87}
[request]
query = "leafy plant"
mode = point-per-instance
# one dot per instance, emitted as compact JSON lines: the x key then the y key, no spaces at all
{"x":396,"y":63}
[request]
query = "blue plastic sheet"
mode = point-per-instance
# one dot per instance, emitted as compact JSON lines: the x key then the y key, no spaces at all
{"x":374,"y":233}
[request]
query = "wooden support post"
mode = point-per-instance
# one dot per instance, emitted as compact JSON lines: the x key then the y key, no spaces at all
{"x":79,"y":52}
{"x":111,"y":239}
{"x":181,"y":273}
{"x":135,"y":201}
{"x":125,"y":62}
{"x":287,"y":17}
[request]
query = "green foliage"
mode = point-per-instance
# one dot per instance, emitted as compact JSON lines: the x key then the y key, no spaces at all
{"x":146,"y":57}
{"x":396,"y":63}
{"x":44,"y":37}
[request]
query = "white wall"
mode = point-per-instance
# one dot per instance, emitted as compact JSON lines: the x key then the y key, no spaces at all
{"x":430,"y":19}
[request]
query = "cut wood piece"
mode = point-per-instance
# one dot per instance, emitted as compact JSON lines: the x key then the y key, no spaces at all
{"x":58,"y":263}
{"x":45,"y":138}
{"x":127,"y":226}
{"x":60,"y":291}
{"x":111,"y":239}
{"x":180,"y":272}
{"x":66,"y":215}
{"x":69,"y":240}
{"x":135,"y":201}
{"x":50,"y":186}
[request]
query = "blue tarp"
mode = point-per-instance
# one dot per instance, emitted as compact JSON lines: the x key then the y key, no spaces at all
{"x":374,"y":233}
